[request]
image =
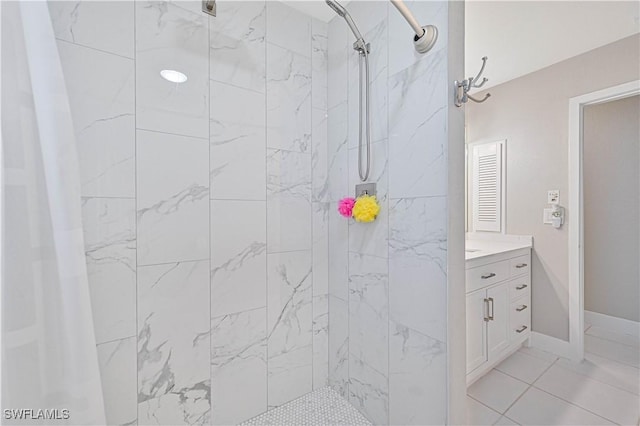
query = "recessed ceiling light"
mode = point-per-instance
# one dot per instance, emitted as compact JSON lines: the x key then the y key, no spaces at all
{"x":173,"y":76}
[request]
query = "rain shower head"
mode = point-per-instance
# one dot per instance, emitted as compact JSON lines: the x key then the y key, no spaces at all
{"x":342,"y":12}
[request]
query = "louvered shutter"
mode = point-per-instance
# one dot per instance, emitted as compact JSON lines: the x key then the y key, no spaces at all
{"x":487,"y":186}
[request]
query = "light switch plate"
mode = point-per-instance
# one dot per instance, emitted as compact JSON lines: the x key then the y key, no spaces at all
{"x":547,"y":216}
{"x":553,"y":196}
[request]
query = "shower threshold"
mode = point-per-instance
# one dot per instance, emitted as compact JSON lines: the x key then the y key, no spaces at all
{"x":323,"y":406}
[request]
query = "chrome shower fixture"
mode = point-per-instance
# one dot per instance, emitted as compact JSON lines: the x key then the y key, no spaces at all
{"x":363,"y":49}
{"x":425,"y":37}
{"x":209,"y":7}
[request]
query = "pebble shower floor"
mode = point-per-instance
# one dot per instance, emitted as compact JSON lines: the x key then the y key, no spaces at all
{"x":323,"y":406}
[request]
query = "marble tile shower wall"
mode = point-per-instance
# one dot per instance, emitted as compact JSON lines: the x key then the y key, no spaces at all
{"x":206,"y":204}
{"x":387,"y":295}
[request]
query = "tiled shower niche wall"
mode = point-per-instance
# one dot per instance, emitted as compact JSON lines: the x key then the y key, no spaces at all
{"x":205,"y":203}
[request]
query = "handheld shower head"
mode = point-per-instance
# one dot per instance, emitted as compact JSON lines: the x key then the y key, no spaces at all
{"x":342,"y":12}
{"x":337,"y":8}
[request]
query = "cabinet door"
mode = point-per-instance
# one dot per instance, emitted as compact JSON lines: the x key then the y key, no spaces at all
{"x":498,"y":326}
{"x":476,"y":330}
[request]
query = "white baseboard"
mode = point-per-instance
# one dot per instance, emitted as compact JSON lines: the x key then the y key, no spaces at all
{"x":617,"y":325}
{"x":551,"y":344}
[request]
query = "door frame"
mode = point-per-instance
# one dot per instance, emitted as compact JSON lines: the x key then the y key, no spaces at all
{"x":575,"y":207}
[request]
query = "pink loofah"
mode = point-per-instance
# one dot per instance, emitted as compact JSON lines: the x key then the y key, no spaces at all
{"x":345,"y":206}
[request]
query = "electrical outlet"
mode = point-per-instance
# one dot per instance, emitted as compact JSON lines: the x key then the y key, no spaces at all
{"x":547,"y":216}
{"x":553,"y":196}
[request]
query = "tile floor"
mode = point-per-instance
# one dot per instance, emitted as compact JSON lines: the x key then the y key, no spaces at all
{"x":533,"y":387}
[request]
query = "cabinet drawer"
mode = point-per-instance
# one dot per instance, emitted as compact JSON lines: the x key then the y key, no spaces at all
{"x":520,"y":318}
{"x":519,"y":287}
{"x":520,"y":265}
{"x":485,"y":275}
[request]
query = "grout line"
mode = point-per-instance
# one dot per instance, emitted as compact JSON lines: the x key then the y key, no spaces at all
{"x":171,"y":134}
{"x":117,"y":339}
{"x":137,"y":195}
{"x":226,"y":83}
{"x":486,"y":406}
{"x":266,"y":215}
{"x":633,"y":346}
{"x":609,"y":358}
{"x":211,"y":411}
{"x":529,"y":386}
{"x":170,"y":263}
{"x":577,"y":406}
{"x":101,"y":50}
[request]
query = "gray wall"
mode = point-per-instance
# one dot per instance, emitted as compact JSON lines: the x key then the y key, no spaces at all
{"x":531,"y":112}
{"x":611,"y":208}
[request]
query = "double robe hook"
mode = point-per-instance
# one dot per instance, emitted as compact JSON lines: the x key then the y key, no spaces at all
{"x":463,"y":87}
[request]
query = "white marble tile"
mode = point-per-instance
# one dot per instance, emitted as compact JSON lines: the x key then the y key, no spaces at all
{"x":170,"y":37}
{"x":288,"y":174}
{"x":289,"y":304}
{"x":337,"y":153}
{"x":289,"y":224}
{"x":505,"y":421}
{"x":338,"y":254}
{"x":288,"y":28}
{"x":403,"y":54}
{"x":369,"y":311}
{"x":368,"y":14}
{"x":289,"y":99}
{"x":606,"y":371}
{"x":320,"y":249}
{"x":612,"y":350}
{"x":497,"y":391}
{"x":539,"y":408}
{"x":173,"y":343}
{"x":339,"y":48}
{"x":625,"y":339}
{"x":193,"y":6}
{"x":103,"y":25}
{"x":371,"y":238}
{"x":378,"y":38}
{"x":290,"y":325}
{"x":103,"y":118}
{"x":479,"y":414}
{"x":369,"y":391}
{"x":238,"y":366}
{"x":606,"y":401}
{"x":319,"y":64}
{"x":523,"y":367}
{"x":173,"y":198}
{"x":238,"y":45}
{"x":418,"y":141}
{"x":118,"y":371}
{"x":110,"y":247}
{"x":417,"y":264}
{"x":237,"y":164}
{"x":417,"y":374}
{"x":339,"y":345}
{"x":290,"y":375}
{"x":320,"y":340}
{"x":238,"y":256}
{"x":319,"y":157}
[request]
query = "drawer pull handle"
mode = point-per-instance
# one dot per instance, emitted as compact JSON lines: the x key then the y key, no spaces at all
{"x":521,"y":308}
{"x":521,"y":287}
{"x":521,"y":329}
{"x":487,"y":276}
{"x":521,"y":265}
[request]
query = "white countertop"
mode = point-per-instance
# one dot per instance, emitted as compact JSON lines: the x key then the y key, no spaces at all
{"x":478,"y":245}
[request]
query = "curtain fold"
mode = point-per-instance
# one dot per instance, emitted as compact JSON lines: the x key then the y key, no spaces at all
{"x":49,"y":357}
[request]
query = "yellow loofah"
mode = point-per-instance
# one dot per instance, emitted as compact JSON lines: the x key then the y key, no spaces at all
{"x":366,"y":208}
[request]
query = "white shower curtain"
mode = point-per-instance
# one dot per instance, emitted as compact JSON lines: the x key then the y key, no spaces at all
{"x":49,"y":358}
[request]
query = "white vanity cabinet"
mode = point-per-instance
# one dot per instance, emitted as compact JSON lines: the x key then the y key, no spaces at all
{"x":498,"y":308}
